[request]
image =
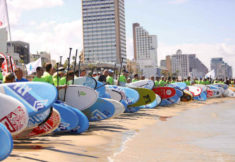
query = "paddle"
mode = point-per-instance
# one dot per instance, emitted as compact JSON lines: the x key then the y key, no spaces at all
{"x":11,"y":65}
{"x":70,"y":51}
{"x":79,"y":64}
{"x":75,"y":63}
{"x":57,"y":69}
{"x":120,"y":72}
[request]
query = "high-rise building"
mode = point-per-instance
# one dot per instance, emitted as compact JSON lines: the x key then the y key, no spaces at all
{"x":22,"y":49}
{"x":163,"y":63}
{"x":186,"y":65}
{"x":45,"y":57}
{"x":222,"y":69}
{"x":145,"y":50}
{"x":104,"y":33}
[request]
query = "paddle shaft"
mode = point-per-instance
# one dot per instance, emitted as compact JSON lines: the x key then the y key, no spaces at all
{"x":70,"y":51}
{"x":57,"y":69}
{"x":11,"y":65}
{"x":120,"y":72}
{"x":75,"y":63}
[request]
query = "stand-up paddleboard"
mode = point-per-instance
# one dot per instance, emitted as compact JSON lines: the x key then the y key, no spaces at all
{"x":203,"y":87}
{"x":101,"y":110}
{"x":83,"y":124}
{"x":131,"y":95}
{"x":69,"y":119}
{"x":119,"y":107}
{"x":132,"y":109}
{"x":33,"y":95}
{"x":6,"y":142}
{"x":146,"y":97}
{"x":124,"y":102}
{"x":13,"y":114}
{"x":232,"y":88}
{"x":79,"y":97}
{"x":214,"y":91}
{"x":154,"y":104}
{"x":86,"y":81}
{"x":229,"y":93}
{"x":100,"y":88}
{"x":164,"y":92}
{"x":180,"y":85}
{"x":148,"y":84}
{"x":114,"y":94}
{"x":224,"y":86}
{"x":39,"y":118}
{"x":48,"y":127}
{"x":196,"y":91}
{"x":179,"y":92}
{"x":187,"y":96}
{"x":201,"y":97}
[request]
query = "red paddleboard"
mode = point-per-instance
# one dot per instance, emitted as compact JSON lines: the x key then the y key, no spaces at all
{"x":49,"y":126}
{"x":210,"y":93}
{"x":164,"y":92}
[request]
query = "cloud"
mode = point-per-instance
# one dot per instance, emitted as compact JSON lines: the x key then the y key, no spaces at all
{"x":53,"y":38}
{"x":17,"y":7}
{"x":177,"y":1}
{"x":34,"y":4}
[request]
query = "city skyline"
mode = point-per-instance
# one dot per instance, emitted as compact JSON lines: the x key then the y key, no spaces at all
{"x":193,"y":26}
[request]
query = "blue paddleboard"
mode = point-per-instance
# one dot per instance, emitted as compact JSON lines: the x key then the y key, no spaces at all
{"x":86,"y":81}
{"x":101,"y":110}
{"x":37,"y":97}
{"x":6,"y":142}
{"x":132,"y":109}
{"x":69,"y":119}
{"x":132,"y":96}
{"x":180,"y":85}
{"x":201,"y":97}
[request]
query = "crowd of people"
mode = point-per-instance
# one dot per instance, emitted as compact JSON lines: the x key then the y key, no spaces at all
{"x":61,"y":77}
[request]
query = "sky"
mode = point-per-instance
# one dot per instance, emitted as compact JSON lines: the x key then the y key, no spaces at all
{"x":202,"y":27}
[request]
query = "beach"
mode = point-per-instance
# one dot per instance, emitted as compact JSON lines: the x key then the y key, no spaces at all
{"x":194,"y":131}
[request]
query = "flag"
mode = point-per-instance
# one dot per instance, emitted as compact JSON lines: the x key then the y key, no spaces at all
{"x":31,"y":67}
{"x":211,"y":74}
{"x":4,"y":67}
{"x":3,"y":14}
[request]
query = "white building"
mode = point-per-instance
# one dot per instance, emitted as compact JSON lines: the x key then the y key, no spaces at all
{"x":222,"y":69}
{"x":104,"y":33}
{"x":145,"y":50}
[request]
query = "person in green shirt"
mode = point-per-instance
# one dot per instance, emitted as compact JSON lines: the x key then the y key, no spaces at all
{"x":123,"y":78}
{"x":156,"y":83}
{"x":136,"y":78}
{"x":109,"y":79}
{"x":39,"y":73}
{"x":70,"y":77}
{"x":207,"y":81}
{"x":1,"y":62}
{"x":47,"y":75}
{"x":162,"y":82}
{"x":188,"y":81}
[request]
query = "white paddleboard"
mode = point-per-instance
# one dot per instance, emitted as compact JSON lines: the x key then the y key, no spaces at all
{"x":79,"y":97}
{"x":149,"y":84}
{"x":115,"y":95}
{"x":13,"y":114}
{"x":229,"y":93}
{"x":203,"y":87}
{"x":119,"y":107}
{"x":196,"y":91}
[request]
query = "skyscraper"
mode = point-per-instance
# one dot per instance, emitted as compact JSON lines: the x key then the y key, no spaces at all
{"x":145,"y":50}
{"x":104,"y":33}
{"x":222,"y":69}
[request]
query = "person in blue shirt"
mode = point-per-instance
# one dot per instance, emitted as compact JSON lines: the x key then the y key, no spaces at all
{"x":19,"y":75}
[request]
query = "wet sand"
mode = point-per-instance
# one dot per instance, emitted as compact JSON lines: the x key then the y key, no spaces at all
{"x":161,"y":134}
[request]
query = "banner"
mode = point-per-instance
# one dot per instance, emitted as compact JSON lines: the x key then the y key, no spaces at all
{"x":211,"y":74}
{"x":3,"y":14}
{"x":4,"y":67}
{"x":31,"y":67}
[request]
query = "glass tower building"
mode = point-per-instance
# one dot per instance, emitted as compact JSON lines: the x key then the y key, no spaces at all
{"x":104,"y":34}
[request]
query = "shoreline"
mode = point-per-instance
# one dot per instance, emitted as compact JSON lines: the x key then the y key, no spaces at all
{"x":104,"y":140}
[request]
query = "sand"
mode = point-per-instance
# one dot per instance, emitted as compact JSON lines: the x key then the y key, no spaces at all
{"x":129,"y":137}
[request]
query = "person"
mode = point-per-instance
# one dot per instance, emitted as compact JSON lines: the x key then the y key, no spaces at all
{"x":1,"y":62}
{"x":103,"y":77}
{"x":142,"y":77}
{"x":39,"y":73}
{"x":136,"y":78}
{"x":9,"y":78}
{"x":60,"y":73}
{"x":47,"y":75}
{"x":156,"y":83}
{"x":83,"y":73}
{"x":109,"y":78}
{"x":19,"y":75}
{"x":162,"y":82}
{"x":70,"y":77}
{"x":188,"y":81}
{"x":152,"y":78}
{"x":123,"y":78}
